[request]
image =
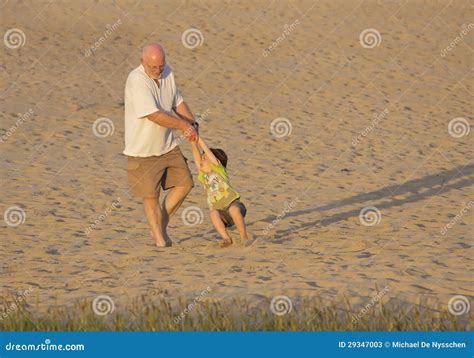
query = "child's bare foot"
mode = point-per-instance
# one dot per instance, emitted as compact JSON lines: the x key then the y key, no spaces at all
{"x":225,"y":242}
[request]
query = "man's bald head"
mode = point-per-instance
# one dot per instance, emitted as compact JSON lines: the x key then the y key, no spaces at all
{"x":153,"y":51}
{"x":153,"y":60}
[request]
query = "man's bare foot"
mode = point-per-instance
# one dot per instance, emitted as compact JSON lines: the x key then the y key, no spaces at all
{"x":159,"y":242}
{"x":168,"y":240}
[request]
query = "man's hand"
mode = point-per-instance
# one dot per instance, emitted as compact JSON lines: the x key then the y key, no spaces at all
{"x":191,"y":132}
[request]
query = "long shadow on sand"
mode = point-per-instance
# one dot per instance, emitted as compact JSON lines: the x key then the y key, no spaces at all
{"x":417,"y":189}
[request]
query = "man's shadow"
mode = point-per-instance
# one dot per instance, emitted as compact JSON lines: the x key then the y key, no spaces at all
{"x":417,"y":189}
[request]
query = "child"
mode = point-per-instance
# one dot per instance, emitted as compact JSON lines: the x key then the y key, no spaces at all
{"x":223,"y":200}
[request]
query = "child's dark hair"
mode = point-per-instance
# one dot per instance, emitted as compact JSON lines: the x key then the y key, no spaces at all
{"x":220,"y":154}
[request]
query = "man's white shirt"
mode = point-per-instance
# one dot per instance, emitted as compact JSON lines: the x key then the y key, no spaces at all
{"x":143,"y":96}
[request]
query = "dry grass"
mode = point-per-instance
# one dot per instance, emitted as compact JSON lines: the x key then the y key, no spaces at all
{"x":238,"y":315}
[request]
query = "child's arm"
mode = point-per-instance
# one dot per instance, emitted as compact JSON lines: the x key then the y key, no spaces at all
{"x":196,"y":154}
{"x":207,"y":151}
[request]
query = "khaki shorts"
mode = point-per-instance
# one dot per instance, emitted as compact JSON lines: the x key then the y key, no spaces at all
{"x":147,"y":174}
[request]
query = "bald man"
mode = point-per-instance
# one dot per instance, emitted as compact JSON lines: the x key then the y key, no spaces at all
{"x":153,"y":108}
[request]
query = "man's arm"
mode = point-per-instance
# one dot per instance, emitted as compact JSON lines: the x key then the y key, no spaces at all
{"x":183,"y":112}
{"x":165,"y":120}
{"x":208,"y":152}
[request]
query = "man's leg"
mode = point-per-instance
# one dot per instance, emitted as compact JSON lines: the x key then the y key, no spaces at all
{"x":154,"y":217}
{"x":179,"y":181}
{"x":143,"y":174}
{"x":170,"y":204}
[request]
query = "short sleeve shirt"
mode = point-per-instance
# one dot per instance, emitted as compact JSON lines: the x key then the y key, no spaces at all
{"x":143,"y":96}
{"x":220,"y":194}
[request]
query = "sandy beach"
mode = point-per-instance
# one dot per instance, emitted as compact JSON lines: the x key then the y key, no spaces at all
{"x":320,"y":123}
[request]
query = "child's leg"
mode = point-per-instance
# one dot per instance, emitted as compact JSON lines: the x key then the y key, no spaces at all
{"x":220,"y":227}
{"x":238,"y":219}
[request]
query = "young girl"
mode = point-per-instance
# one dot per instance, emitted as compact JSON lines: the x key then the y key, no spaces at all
{"x":223,"y":200}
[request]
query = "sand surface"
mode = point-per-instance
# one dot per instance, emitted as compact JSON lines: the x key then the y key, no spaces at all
{"x":313,"y":182}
